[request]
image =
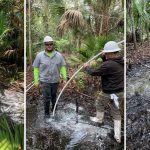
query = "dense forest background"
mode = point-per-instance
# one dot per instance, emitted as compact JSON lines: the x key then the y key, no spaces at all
{"x":11,"y":40}
{"x":138,"y":22}
{"x":80,"y":30}
{"x":11,"y":74}
{"x":79,"y":27}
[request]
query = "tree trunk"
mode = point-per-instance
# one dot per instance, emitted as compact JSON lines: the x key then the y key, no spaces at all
{"x":30,"y":49}
{"x":104,"y":25}
{"x":146,"y":24}
{"x":46,"y":16}
{"x":147,"y":31}
{"x":98,"y":24}
{"x":129,"y":8}
{"x":105,"y":17}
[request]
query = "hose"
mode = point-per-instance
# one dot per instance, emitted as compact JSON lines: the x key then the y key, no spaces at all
{"x":74,"y":76}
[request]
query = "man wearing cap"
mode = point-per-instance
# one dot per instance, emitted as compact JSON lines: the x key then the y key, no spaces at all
{"x":112,"y":80}
{"x":48,"y":65}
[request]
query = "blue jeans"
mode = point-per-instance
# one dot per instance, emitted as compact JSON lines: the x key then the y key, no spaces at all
{"x":49,"y":91}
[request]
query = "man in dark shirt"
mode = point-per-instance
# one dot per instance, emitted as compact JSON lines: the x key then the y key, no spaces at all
{"x":112,"y":78}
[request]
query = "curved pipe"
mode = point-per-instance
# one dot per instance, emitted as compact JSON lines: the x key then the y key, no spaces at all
{"x":29,"y":84}
{"x":29,"y":87}
{"x":74,"y":76}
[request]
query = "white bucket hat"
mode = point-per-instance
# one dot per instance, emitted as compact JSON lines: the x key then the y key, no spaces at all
{"x":111,"y":47}
{"x":48,"y":39}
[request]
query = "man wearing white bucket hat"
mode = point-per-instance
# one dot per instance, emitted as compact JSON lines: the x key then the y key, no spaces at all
{"x":112,"y":79}
{"x":48,"y":65}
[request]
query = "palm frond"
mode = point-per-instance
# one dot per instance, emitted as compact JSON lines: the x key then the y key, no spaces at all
{"x":9,"y":53}
{"x":92,"y":46}
{"x":70,"y":19}
{"x":142,"y":12}
{"x":4,"y":143}
{"x":11,"y":134}
{"x":3,"y":28}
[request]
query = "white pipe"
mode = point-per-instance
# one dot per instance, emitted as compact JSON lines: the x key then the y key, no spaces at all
{"x":30,"y":87}
{"x":74,"y":76}
{"x":30,"y":84}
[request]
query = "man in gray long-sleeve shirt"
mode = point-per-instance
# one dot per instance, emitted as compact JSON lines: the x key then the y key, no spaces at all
{"x":112,"y":78}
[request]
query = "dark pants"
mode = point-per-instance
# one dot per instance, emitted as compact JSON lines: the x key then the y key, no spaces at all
{"x":49,"y":91}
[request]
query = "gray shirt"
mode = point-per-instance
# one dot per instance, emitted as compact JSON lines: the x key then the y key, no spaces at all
{"x":49,"y":67}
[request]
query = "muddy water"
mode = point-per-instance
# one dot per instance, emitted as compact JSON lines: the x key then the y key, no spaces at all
{"x":138,"y":107}
{"x":67,"y":130}
{"x":12,"y":104}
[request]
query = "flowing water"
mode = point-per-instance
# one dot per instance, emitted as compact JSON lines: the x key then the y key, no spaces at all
{"x":12,"y":104}
{"x":67,"y":130}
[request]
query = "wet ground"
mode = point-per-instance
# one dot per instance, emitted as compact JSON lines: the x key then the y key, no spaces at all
{"x":12,"y":104}
{"x":138,"y":106}
{"x":69,"y":130}
{"x":11,"y":92}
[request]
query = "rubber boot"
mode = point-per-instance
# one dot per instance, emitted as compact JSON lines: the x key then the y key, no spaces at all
{"x":117,"y":130}
{"x":99,"y":117}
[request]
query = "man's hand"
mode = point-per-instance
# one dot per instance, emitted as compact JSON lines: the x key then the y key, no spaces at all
{"x":102,"y":54}
{"x":36,"y":85}
{"x":86,"y":65}
{"x":64,"y":82}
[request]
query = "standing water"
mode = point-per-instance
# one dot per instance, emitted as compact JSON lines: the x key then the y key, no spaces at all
{"x":67,"y":130}
{"x":12,"y":104}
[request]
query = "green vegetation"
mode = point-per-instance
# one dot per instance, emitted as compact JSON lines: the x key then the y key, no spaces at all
{"x":80,"y":29}
{"x":138,"y":21}
{"x":11,"y":66}
{"x":12,"y":35}
{"x":11,"y":134}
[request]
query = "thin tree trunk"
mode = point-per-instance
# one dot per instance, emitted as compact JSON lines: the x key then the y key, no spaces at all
{"x":133,"y":31}
{"x":146,"y":24}
{"x":30,"y":49}
{"x":104,"y":25}
{"x":129,"y":7}
{"x":147,"y":31}
{"x":45,"y":17}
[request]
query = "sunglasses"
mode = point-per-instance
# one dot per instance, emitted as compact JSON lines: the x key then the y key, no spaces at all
{"x":49,"y":44}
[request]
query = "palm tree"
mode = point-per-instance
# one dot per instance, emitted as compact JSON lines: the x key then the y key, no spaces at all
{"x":72,"y":19}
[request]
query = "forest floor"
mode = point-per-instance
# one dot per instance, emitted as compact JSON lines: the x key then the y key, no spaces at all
{"x":11,"y":77}
{"x":11,"y":91}
{"x":85,"y":98}
{"x":138,"y":97}
{"x":138,"y":62}
{"x":136,"y":56}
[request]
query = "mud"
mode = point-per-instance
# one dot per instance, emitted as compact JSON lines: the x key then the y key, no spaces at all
{"x":69,"y":130}
{"x":138,"y":106}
